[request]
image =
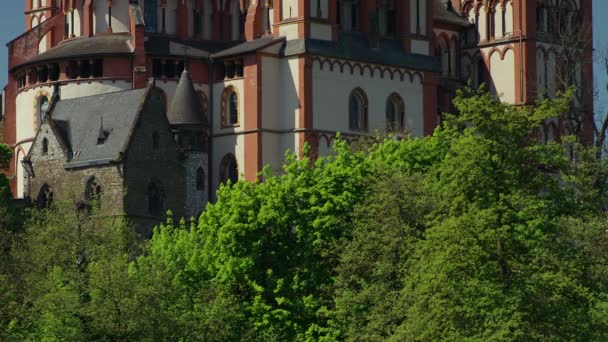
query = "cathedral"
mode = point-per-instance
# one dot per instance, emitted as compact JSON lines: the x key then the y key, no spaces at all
{"x":147,"y":105}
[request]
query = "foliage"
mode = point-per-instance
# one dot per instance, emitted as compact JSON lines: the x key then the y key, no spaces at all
{"x":475,"y":233}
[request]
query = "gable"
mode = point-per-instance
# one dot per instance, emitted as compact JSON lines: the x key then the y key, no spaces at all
{"x":82,"y":121}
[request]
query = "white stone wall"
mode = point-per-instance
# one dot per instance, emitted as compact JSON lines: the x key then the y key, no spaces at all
{"x":120,"y":16}
{"x":73,"y":89}
{"x":420,"y":47}
{"x":331,"y":91}
{"x":482,"y":24}
{"x":503,"y":75}
{"x":290,"y":31}
{"x":290,"y":9}
{"x":279,"y":108}
{"x":27,"y":110}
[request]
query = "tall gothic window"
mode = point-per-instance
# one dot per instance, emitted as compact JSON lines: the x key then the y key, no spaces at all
{"x":395,"y":113}
{"x":357,"y":111}
{"x":155,"y":196}
{"x":479,"y":73}
{"x":43,"y":105}
{"x":93,"y":190}
{"x":229,"y":170}
{"x":230,"y":107}
{"x":45,"y":197}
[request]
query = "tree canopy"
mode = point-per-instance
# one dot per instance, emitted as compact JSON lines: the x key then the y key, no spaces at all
{"x":478,"y":232}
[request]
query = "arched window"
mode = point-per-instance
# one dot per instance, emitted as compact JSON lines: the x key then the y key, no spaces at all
{"x":93,"y":190}
{"x":43,"y":105}
{"x":357,"y":110}
{"x":155,"y":196}
{"x":444,"y":54}
{"x":395,"y":114}
{"x":229,"y":170}
{"x":200,"y":179}
{"x":155,"y":140}
{"x":230,"y":107}
{"x":45,"y":197}
{"x":45,"y":146}
{"x":233,"y":107}
{"x":479,"y":72}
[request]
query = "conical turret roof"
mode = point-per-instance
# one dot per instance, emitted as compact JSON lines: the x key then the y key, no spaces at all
{"x":186,"y":107}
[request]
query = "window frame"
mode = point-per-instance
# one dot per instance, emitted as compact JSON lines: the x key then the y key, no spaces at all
{"x":360,"y":97}
{"x":395,"y":101}
{"x":227,"y":108}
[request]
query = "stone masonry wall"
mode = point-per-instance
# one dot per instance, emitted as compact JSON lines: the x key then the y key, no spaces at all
{"x":195,"y":200}
{"x":70,"y":184}
{"x":143,"y":163}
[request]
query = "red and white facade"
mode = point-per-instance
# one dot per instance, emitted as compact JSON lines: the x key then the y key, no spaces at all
{"x":276,"y":74}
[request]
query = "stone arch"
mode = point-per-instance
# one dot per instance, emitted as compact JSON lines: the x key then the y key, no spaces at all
{"x":378,"y":70}
{"x":45,"y":197}
{"x":358,"y":107}
{"x":93,"y":190}
{"x":155,"y":197}
{"x":229,"y":169}
{"x":41,"y":105}
{"x":442,"y":50}
{"x":334,"y":63}
{"x":230,"y":107}
{"x":395,"y":113}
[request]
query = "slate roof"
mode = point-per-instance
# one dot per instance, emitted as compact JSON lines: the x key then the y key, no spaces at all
{"x":249,"y":46}
{"x":444,"y":12}
{"x":355,"y":46}
{"x":79,"y":121}
{"x":161,"y":45}
{"x":186,"y":108}
{"x":112,"y":44}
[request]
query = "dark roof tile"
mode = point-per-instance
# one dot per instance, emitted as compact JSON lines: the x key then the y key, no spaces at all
{"x":249,"y":46}
{"x":356,"y":47}
{"x":113,"y":44}
{"x":186,"y":108}
{"x":79,"y":121}
{"x":444,"y":12}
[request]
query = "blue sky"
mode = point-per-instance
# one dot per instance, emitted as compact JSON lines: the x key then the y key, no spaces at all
{"x":12,"y":23}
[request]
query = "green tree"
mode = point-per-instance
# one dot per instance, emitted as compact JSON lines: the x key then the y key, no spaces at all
{"x":371,"y":274}
{"x":58,"y":257}
{"x":502,"y":256}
